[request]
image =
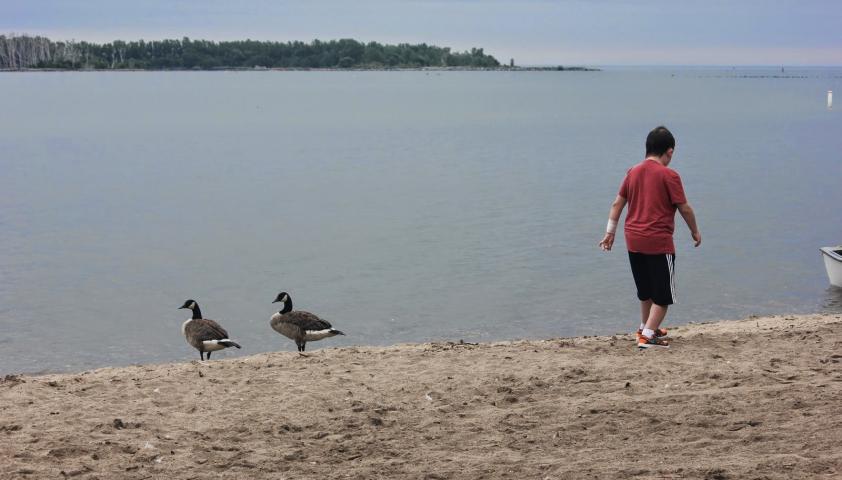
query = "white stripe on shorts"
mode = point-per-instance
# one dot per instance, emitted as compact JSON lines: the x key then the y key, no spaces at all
{"x":671,"y":265}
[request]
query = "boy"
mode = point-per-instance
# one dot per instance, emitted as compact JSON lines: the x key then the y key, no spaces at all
{"x":653,"y":193}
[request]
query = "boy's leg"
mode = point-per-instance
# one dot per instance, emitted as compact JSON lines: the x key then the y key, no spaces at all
{"x":645,"y":306}
{"x":656,"y":316}
{"x":642,"y":281}
{"x":661,"y":269}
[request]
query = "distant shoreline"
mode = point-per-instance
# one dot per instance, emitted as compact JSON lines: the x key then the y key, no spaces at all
{"x":284,"y":69}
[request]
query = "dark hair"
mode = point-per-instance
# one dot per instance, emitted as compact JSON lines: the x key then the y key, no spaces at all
{"x":659,"y":141}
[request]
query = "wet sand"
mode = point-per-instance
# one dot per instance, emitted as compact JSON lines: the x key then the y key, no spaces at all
{"x":757,"y":398}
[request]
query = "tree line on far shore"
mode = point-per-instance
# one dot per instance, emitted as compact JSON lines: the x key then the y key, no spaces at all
{"x":24,"y":52}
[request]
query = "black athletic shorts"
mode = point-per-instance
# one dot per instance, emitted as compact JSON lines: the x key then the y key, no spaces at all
{"x":654,"y":276}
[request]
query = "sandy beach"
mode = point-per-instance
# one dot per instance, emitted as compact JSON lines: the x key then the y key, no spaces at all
{"x":757,"y":398}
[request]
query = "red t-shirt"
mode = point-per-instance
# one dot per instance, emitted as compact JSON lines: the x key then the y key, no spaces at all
{"x":652,"y":191}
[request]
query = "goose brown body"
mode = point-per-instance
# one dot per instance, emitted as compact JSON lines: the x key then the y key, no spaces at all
{"x":204,"y":334}
{"x":298,"y":325}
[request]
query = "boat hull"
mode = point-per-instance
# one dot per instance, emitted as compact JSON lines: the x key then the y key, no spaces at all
{"x":833,"y":263}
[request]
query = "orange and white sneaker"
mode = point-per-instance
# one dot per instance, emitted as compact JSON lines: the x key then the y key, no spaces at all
{"x":658,"y":333}
{"x":649,"y":342}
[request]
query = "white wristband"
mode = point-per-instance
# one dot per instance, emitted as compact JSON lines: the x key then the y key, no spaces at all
{"x":611,"y":227}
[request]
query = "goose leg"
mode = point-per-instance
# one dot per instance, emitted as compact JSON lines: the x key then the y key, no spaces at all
{"x":209,"y":355}
{"x":202,"y":355}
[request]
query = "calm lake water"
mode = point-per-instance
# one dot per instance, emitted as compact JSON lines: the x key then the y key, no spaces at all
{"x":402,"y":206}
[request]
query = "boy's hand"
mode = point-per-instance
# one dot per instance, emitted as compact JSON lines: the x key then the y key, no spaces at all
{"x":607,"y":242}
{"x":697,"y":238}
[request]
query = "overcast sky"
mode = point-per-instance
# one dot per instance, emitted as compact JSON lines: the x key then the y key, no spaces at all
{"x":565,"y":32}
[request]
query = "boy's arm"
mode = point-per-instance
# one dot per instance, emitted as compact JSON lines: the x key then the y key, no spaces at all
{"x":689,"y":216}
{"x":613,"y":216}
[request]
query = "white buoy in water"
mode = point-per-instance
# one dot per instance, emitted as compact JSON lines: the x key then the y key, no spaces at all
{"x":829,"y":99}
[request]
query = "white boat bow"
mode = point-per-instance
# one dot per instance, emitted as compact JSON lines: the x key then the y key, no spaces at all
{"x":833,"y":263}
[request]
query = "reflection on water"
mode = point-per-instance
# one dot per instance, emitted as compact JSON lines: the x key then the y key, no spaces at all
{"x":833,"y":300}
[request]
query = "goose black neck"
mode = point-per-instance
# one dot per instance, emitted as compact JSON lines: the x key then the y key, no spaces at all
{"x":197,"y":314}
{"x":287,"y":306}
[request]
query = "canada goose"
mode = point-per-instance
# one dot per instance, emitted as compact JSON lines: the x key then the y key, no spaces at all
{"x":300,"y":326}
{"x":203,"y":334}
